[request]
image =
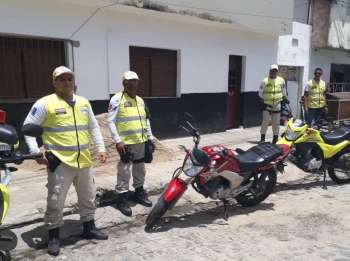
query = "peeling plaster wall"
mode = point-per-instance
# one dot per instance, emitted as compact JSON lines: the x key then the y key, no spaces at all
{"x":320,"y":23}
{"x":339,"y":31}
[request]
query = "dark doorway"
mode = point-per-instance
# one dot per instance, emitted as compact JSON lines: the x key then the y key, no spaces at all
{"x":233,"y":115}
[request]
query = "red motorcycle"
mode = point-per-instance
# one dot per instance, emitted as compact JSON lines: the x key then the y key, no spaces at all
{"x":222,"y":174}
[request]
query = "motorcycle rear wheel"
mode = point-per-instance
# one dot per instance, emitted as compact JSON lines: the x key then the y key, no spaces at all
{"x":261,"y":188}
{"x":337,"y":177}
{"x":157,"y":212}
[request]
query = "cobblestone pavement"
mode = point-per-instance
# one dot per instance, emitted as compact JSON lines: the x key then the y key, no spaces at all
{"x":300,"y":221}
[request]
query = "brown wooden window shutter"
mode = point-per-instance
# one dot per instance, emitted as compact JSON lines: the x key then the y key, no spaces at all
{"x":157,"y":69}
{"x":26,"y":66}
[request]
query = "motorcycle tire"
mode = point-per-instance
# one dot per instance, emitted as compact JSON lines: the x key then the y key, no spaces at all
{"x":157,"y":212}
{"x":251,"y":198}
{"x":3,"y":256}
{"x":336,"y":178}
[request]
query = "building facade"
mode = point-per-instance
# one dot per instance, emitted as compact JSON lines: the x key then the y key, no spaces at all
{"x":203,"y":57}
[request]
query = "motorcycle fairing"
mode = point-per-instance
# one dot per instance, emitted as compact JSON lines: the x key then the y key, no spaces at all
{"x":4,"y":202}
{"x":174,"y":190}
{"x":329,"y":150}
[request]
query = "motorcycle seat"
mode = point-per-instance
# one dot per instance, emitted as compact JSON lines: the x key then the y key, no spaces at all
{"x":258,"y":156}
{"x":336,"y":136}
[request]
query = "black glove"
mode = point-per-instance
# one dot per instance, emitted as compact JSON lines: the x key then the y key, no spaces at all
{"x":286,"y":101}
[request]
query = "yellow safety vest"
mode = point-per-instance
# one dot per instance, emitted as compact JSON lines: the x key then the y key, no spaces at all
{"x":316,"y":98}
{"x":131,"y":119}
{"x":66,"y":132}
{"x":272,"y":90}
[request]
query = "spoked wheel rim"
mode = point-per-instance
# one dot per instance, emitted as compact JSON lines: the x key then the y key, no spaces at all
{"x":260,"y":183}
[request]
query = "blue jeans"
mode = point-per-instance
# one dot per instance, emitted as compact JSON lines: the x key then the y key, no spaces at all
{"x":314,"y":115}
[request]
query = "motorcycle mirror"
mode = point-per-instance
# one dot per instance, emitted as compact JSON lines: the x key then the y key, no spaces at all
{"x":32,"y":130}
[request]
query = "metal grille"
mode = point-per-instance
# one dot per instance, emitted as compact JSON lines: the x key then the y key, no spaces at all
{"x":26,"y":65}
{"x":339,"y":87}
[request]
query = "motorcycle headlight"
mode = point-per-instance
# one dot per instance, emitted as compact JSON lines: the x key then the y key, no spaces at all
{"x":291,"y":135}
{"x":190,"y":169}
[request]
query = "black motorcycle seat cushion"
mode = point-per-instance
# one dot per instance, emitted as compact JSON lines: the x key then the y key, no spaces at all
{"x":336,"y":136}
{"x":258,"y":156}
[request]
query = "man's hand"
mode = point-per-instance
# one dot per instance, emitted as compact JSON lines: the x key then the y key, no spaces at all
{"x":153,"y":145}
{"x":43,"y":160}
{"x":120,"y":148}
{"x":102,"y":157}
{"x":326,"y":110}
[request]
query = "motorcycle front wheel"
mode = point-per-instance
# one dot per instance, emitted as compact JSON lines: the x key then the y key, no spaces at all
{"x":262,"y":186}
{"x":157,"y":212}
{"x":339,"y":176}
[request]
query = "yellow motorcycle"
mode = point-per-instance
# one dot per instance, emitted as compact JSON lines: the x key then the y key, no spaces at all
{"x":316,"y":151}
{"x":9,"y":153}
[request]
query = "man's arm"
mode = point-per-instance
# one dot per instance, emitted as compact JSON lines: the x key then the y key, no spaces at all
{"x":95,"y":131}
{"x":284,"y":90}
{"x":112,"y":115}
{"x":261,"y":90}
{"x":36,"y":116}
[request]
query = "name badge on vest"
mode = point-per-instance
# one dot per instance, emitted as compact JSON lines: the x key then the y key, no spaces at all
{"x":60,"y":111}
{"x":127,"y":104}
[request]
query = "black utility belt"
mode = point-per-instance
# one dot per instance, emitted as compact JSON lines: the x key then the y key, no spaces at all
{"x":267,"y":108}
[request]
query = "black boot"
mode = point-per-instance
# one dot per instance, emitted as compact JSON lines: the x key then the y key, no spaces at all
{"x":91,"y":232}
{"x":141,"y":197}
{"x":53,"y":246}
{"x":274,"y":139}
{"x":262,"y":138}
{"x":123,"y":204}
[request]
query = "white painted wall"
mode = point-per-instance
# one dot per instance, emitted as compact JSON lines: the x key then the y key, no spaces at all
{"x":324,"y":58}
{"x":103,"y":54}
{"x":296,"y":55}
{"x":204,"y":51}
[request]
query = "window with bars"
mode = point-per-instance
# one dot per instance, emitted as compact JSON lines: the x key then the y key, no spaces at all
{"x":26,"y":66}
{"x":157,"y":70}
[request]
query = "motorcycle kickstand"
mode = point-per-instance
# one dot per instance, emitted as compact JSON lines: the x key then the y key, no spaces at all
{"x":324,"y":186}
{"x":226,"y":205}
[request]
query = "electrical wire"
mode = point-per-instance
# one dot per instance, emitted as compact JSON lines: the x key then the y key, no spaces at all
{"x":90,"y":17}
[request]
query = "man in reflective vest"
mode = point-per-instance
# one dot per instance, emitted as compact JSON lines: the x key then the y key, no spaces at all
{"x":68,"y":122}
{"x":130,"y":129}
{"x":315,"y":98}
{"x":272,"y":91}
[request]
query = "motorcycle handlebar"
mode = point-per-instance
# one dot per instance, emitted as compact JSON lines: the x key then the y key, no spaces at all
{"x":20,"y":157}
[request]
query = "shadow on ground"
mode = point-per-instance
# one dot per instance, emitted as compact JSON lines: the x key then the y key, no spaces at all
{"x":205,"y":217}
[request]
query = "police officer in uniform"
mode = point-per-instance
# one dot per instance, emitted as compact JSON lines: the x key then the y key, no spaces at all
{"x":315,"y":98}
{"x":68,"y":122}
{"x":130,"y":129}
{"x":272,"y":91}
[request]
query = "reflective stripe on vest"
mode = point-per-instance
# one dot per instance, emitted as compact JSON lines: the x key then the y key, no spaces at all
{"x":272,"y":90}
{"x":131,"y":119}
{"x":66,"y":132}
{"x":316,"y":97}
